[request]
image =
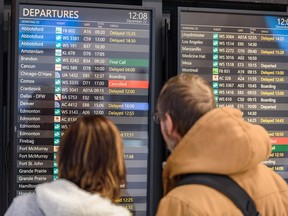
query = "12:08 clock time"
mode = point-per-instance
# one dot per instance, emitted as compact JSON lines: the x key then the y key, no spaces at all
{"x":138,"y":16}
{"x":283,"y":21}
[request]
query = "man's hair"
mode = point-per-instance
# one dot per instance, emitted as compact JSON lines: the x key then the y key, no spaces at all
{"x":186,"y":98}
{"x":91,"y":156}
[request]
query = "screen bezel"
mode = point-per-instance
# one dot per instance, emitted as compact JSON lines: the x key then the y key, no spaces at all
{"x":14,"y":82}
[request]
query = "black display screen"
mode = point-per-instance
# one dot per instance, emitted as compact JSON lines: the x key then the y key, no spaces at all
{"x":75,"y":60}
{"x":244,"y":55}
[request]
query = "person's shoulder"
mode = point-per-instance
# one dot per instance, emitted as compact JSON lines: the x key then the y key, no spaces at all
{"x":273,"y":178}
{"x":196,"y":199}
{"x":24,"y":205}
{"x":174,"y":205}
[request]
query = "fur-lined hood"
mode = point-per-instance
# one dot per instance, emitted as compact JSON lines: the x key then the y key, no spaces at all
{"x":63,"y":198}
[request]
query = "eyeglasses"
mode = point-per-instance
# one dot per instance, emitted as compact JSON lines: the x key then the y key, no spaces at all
{"x":156,"y":118}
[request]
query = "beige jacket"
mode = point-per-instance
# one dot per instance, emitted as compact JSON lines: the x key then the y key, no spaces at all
{"x":222,"y":142}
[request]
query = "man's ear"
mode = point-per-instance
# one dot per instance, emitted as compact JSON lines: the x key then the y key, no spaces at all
{"x":169,"y":125}
{"x":170,"y":128}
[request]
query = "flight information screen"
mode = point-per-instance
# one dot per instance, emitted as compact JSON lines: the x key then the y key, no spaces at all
{"x":245,"y":57}
{"x":81,"y":60}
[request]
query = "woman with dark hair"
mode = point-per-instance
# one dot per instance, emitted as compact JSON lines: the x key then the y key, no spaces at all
{"x":91,"y":170}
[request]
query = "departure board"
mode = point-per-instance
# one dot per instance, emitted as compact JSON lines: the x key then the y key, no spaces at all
{"x":245,"y":57}
{"x":76,"y":60}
